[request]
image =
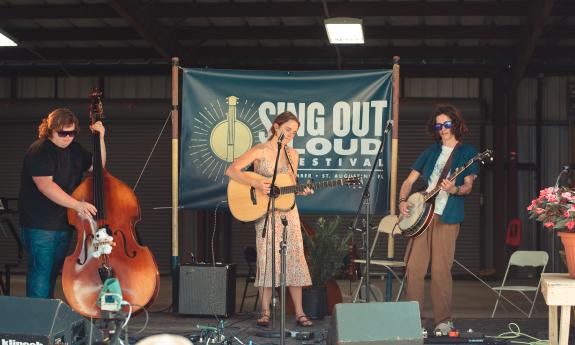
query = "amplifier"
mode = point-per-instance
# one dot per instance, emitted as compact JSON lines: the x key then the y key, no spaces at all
{"x":38,"y":321}
{"x":205,"y":290}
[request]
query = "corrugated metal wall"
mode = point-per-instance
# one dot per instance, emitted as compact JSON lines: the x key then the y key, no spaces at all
{"x":132,"y":139}
{"x":555,"y":150}
{"x":131,"y":130}
{"x":441,"y":87}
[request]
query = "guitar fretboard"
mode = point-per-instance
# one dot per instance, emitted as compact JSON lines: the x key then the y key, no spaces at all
{"x":315,"y":185}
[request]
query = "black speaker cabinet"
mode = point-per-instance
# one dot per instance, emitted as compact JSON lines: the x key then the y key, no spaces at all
{"x":38,"y":321}
{"x":207,"y":290}
{"x":391,"y":323}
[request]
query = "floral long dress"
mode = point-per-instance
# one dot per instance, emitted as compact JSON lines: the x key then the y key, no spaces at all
{"x":297,"y":270}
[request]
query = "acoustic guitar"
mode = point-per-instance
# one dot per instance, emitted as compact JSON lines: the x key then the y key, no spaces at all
{"x":248,"y":204}
{"x":422,"y":204}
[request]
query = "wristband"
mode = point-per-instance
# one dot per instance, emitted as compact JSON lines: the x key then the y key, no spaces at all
{"x":402,"y":200}
{"x":456,"y":190}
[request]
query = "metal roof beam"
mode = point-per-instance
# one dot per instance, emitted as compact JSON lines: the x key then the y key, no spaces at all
{"x":286,"y":33}
{"x":470,"y":54}
{"x":279,"y":33}
{"x":540,"y":12}
{"x":291,"y":9}
{"x":142,"y":19}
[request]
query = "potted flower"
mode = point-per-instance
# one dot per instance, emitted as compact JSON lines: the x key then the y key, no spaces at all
{"x":326,"y":249}
{"x":555,"y":208}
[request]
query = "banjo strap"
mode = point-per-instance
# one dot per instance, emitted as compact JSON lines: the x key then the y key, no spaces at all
{"x":447,"y":166}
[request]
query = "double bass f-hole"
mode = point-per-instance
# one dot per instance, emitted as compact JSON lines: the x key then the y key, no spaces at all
{"x":87,"y":240}
{"x":125,"y":244}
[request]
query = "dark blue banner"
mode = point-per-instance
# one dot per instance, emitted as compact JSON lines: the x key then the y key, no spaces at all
{"x":342,"y":114}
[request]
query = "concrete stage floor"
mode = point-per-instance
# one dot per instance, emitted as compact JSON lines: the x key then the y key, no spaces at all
{"x":472,"y":306}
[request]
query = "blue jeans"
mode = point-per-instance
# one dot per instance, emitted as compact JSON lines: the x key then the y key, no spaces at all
{"x":46,"y":253}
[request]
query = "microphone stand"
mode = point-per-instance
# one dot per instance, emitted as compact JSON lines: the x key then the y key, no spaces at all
{"x":564,"y":170}
{"x":283,"y":271}
{"x":365,"y":201}
{"x":272,"y":201}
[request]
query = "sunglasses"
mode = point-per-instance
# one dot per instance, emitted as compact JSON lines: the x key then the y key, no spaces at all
{"x":446,"y":124}
{"x":63,"y":134}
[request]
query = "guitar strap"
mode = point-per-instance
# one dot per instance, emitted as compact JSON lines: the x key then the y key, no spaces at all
{"x":290,"y":164}
{"x":269,"y":200}
{"x":447,"y":165}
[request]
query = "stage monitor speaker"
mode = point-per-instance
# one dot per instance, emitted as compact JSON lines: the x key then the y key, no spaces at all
{"x":205,"y":290}
{"x":386,"y":323}
{"x":38,"y":321}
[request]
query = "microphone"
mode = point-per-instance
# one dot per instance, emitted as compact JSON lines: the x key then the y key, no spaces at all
{"x":568,"y":167}
{"x":281,"y":137}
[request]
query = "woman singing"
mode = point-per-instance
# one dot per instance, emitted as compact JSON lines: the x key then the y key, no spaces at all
{"x":263,"y":156}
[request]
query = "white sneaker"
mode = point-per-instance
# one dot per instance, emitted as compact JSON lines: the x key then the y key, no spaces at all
{"x":443,"y":328}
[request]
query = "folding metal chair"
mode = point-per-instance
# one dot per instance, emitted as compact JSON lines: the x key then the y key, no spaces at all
{"x":388,"y":225}
{"x":523,"y":258}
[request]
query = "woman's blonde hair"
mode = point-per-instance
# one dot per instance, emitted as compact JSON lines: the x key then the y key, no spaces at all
{"x":56,"y":121}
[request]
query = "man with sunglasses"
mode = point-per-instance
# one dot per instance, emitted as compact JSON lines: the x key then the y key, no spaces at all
{"x":53,"y":167}
{"x":437,"y":243}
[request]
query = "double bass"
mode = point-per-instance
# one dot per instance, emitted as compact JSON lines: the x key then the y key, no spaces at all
{"x":87,"y":268}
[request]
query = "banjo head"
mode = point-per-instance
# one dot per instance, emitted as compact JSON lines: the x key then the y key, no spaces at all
{"x":417,"y":201}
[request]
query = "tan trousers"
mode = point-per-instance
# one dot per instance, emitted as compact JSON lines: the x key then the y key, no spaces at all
{"x":437,"y":244}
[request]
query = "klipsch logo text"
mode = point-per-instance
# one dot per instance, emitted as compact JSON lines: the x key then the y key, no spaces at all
{"x":15,"y":342}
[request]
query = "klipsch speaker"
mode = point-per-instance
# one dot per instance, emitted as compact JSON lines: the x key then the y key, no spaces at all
{"x":207,"y":290}
{"x":38,"y":321}
{"x":392,"y":323}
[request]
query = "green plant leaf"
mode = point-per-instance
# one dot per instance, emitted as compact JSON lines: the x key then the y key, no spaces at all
{"x":326,"y":250}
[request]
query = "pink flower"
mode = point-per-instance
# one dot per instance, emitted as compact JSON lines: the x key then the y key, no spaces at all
{"x":555,"y":208}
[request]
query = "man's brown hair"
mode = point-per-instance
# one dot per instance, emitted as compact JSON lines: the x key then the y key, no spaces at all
{"x":458,"y":126}
{"x":56,"y":121}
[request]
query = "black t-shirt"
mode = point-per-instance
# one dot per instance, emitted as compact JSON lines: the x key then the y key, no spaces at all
{"x":66,"y":166}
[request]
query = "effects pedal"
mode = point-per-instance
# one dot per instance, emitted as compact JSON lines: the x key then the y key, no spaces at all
{"x":455,"y":337}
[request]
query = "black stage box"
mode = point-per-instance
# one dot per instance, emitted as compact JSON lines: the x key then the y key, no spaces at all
{"x":39,"y":321}
{"x":205,"y":290}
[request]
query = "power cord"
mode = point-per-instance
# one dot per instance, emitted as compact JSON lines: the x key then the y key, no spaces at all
{"x":515,"y":332}
{"x":147,"y":318}
{"x":210,"y":293}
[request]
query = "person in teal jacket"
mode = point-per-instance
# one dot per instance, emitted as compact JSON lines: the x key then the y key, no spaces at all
{"x":437,"y":243}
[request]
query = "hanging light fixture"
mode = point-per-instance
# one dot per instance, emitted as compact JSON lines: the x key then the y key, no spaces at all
{"x":6,"y":41}
{"x":342,"y":30}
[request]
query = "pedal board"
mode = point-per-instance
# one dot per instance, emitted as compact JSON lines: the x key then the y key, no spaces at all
{"x":463,"y":339}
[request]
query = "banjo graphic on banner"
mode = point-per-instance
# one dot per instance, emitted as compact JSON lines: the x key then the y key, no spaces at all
{"x":342,"y":114}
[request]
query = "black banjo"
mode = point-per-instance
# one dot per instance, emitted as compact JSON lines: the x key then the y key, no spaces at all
{"x":422,"y":204}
